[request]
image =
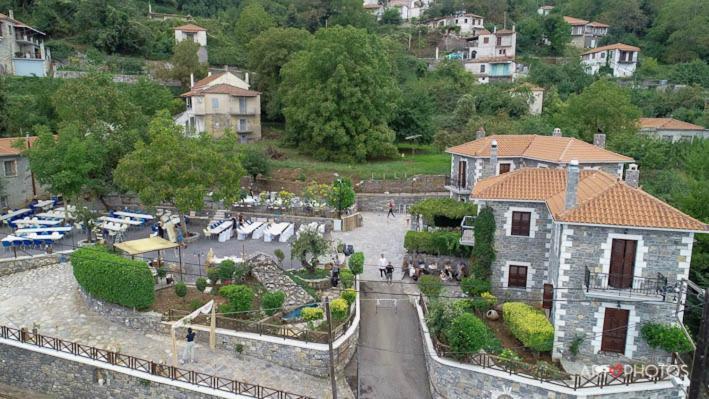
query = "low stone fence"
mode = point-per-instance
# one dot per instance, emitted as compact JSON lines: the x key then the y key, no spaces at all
{"x":450,"y":379}
{"x":24,"y":263}
{"x":413,"y":184}
{"x":379,"y":202}
{"x":150,"y":322}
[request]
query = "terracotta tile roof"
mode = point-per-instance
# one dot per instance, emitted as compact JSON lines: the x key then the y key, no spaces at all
{"x":484,"y":32}
{"x":575,"y":21}
{"x":372,"y":6}
{"x":601,"y":199}
{"x":221,"y":89}
{"x":209,"y":79}
{"x":667,"y":123}
{"x":505,"y":32}
{"x":543,"y":148}
{"x":617,"y":46}
{"x":596,"y":24}
{"x":190,"y":28}
{"x":6,"y":143}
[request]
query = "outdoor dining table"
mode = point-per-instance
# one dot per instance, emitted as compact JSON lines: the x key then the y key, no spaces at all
{"x":111,"y":227}
{"x":55,"y":214}
{"x":248,"y":228}
{"x":45,"y":204}
{"x":223,"y":230}
{"x":131,"y":222}
{"x":134,"y":215}
{"x":18,"y":212}
{"x":36,"y":222}
{"x":59,"y":229}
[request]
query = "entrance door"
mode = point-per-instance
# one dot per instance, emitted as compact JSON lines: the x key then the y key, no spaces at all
{"x":622,"y":264}
{"x":548,"y":296}
{"x":462,"y":174}
{"x":615,"y":330}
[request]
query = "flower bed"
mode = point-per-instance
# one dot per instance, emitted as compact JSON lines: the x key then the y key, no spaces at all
{"x":529,"y":325}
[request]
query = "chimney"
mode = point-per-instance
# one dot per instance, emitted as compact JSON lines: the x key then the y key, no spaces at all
{"x":480,"y":133}
{"x":632,"y":175}
{"x":572,"y":183}
{"x":246,"y":78}
{"x":493,"y":158}
{"x":436,"y":53}
{"x":11,"y":14}
{"x":191,"y":80}
{"x":557,"y":132}
{"x":599,"y":140}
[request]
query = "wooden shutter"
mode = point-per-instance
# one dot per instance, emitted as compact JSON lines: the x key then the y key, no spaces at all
{"x":517,"y":276}
{"x":615,"y":330}
{"x":504,"y":168}
{"x":520,"y":223}
{"x":462,"y":173}
{"x":622,"y":266}
{"x":548,"y":296}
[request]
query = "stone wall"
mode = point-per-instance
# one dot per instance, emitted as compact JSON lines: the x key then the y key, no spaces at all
{"x":413,"y":184}
{"x":149,"y":322}
{"x":39,"y":371}
{"x":24,"y":263}
{"x":379,"y":202}
{"x":452,"y":380}
{"x":268,"y":273}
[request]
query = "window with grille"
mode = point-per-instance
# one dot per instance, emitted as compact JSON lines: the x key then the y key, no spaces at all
{"x":520,"y":223}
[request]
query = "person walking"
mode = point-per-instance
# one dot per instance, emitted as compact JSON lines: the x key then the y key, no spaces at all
{"x":391,"y":209}
{"x":382,"y":265}
{"x":389,"y":272}
{"x":189,"y":347}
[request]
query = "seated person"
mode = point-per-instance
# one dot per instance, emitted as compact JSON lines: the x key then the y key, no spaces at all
{"x":443,"y":276}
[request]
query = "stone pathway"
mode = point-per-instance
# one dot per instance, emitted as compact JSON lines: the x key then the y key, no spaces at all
{"x":273,"y":278}
{"x":48,"y":297}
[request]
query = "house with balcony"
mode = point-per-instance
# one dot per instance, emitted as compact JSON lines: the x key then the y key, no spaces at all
{"x":491,"y":55}
{"x":670,"y":129}
{"x":22,"y":51}
{"x":499,"y":154}
{"x":463,"y":24}
{"x":195,"y":34}
{"x":586,"y":34}
{"x":222,"y":102}
{"x":622,"y":59}
{"x":599,"y":254}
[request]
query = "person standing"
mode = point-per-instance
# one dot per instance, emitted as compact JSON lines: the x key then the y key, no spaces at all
{"x":382,"y":265}
{"x":161,"y":230}
{"x":391,"y":209}
{"x":189,"y":347}
{"x":389,"y":272}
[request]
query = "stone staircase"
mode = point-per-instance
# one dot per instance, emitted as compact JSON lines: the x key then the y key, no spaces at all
{"x":268,"y":273}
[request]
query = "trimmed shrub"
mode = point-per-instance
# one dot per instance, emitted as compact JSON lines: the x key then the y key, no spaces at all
{"x":240,"y":297}
{"x":529,"y":325}
{"x":431,"y":286}
{"x":279,"y":255}
{"x":312,"y":314}
{"x":272,"y":302}
{"x":181,"y":290}
{"x":113,"y":278}
{"x":213,"y":275}
{"x":467,"y":335}
{"x":339,"y":309}
{"x":435,"y":243}
{"x":667,"y":337}
{"x":440,"y":314}
{"x":347,"y":278}
{"x":474,"y":286}
{"x":356,"y":262}
{"x":443,"y":212}
{"x":349,"y":295}
{"x":483,"y":303}
{"x":226,"y":269}
{"x":201,"y":284}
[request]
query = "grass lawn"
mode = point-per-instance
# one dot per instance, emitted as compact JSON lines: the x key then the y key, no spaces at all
{"x":425,"y":160}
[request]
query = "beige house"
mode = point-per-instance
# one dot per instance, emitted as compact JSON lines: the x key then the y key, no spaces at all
{"x":222,"y":102}
{"x":196,"y":34}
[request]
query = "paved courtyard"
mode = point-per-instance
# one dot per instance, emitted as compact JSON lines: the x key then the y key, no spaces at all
{"x":48,"y":297}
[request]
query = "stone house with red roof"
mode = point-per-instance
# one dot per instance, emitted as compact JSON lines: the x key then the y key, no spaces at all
{"x":195,"y":34}
{"x":671,"y":129}
{"x":586,"y":34}
{"x":222,"y":102}
{"x":602,"y":256}
{"x":19,"y":186}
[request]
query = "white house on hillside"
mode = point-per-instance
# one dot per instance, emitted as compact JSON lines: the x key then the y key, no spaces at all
{"x":196,"y":34}
{"x":586,"y":34}
{"x":465,"y":23}
{"x":491,"y":55}
{"x":621,"y":58}
{"x":408,"y":9}
{"x":672,"y":129}
{"x":22,"y":50}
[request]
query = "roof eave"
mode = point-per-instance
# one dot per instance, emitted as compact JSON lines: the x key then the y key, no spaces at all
{"x":622,"y":226}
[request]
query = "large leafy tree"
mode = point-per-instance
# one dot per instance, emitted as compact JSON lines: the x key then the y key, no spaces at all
{"x":267,"y":54}
{"x":339,"y":96}
{"x":185,"y":62}
{"x":680,"y":32}
{"x":172,"y":169}
{"x":255,"y":163}
{"x":603,"y":106}
{"x":253,"y":20}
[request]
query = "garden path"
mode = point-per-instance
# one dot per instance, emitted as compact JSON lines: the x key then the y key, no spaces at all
{"x":49,"y":297}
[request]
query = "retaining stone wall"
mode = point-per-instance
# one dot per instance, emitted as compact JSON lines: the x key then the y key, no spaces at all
{"x":422,"y":184}
{"x":66,"y":379}
{"x":379,"y":202}
{"x":21,"y":264}
{"x":149,"y":322}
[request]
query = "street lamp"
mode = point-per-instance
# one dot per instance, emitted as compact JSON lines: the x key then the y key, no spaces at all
{"x":339,"y":195}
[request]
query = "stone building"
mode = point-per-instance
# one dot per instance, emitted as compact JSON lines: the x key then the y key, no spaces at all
{"x":491,"y":55}
{"x":22,"y":50}
{"x":221,"y":102}
{"x":19,"y":186}
{"x":622,"y":59}
{"x":478,"y":159}
{"x":671,"y":129}
{"x":196,"y":34}
{"x":598,"y":252}
{"x":586,"y":34}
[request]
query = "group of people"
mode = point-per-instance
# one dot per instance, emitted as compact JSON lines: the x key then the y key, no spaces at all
{"x":237,"y":221}
{"x":415,"y":269}
{"x":386,"y":269}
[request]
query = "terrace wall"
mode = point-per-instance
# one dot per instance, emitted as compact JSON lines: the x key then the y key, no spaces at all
{"x":23,"y":263}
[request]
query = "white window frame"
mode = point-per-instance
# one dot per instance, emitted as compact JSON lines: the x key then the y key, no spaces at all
{"x":534,"y":216}
{"x":506,"y":275}
{"x":4,"y":166}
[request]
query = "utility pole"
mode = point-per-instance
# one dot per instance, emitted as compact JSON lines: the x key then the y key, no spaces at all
{"x":696,"y":380}
{"x":329,"y":347}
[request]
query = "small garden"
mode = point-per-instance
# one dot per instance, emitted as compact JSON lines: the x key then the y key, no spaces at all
{"x":441,"y":234}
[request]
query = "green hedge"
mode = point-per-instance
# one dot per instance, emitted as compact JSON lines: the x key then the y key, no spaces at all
{"x":443,"y":212}
{"x":113,"y":278}
{"x":468,"y":335}
{"x":435,"y":243}
{"x":529,"y":325}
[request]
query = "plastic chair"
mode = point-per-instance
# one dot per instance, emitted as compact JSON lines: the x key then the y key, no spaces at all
{"x":7,"y":245}
{"x":38,"y":243}
{"x":27,"y":243}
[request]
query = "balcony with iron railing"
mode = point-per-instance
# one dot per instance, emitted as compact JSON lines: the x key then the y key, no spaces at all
{"x":625,"y":287}
{"x":457,"y":186}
